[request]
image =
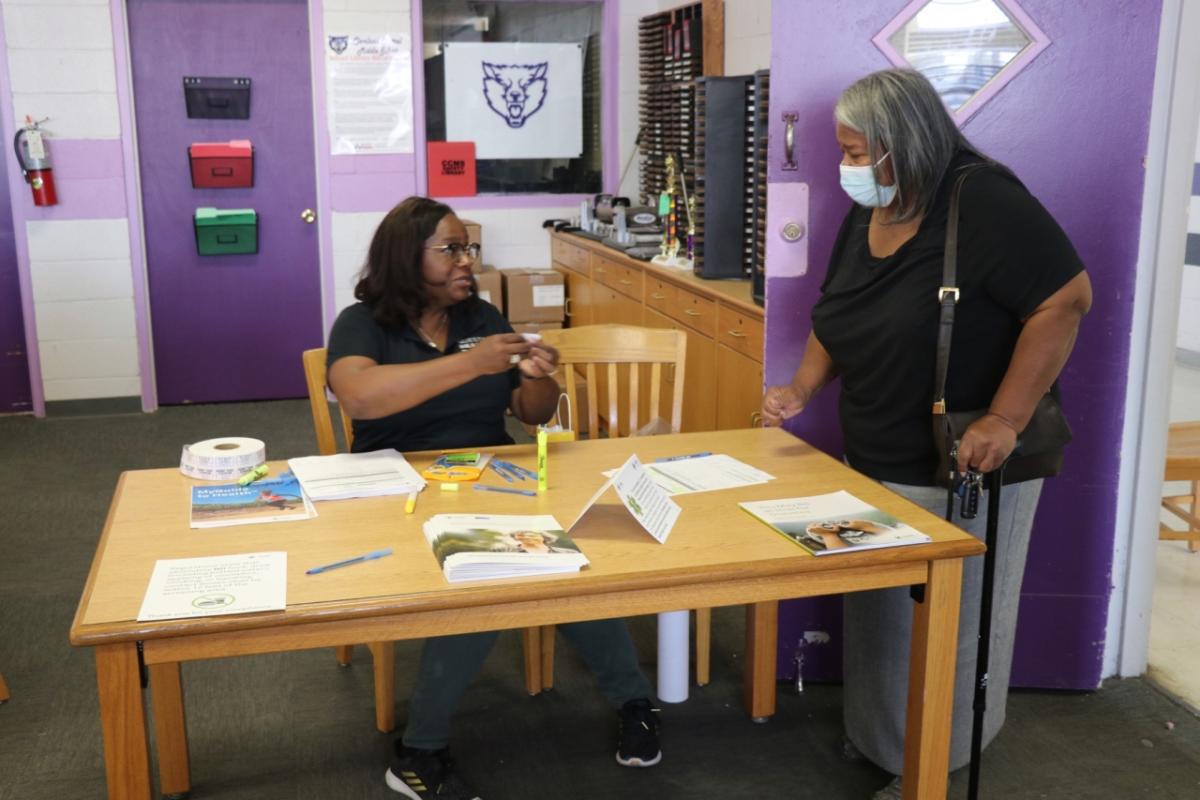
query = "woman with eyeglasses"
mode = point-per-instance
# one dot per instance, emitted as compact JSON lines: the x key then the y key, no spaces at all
{"x":421,"y":363}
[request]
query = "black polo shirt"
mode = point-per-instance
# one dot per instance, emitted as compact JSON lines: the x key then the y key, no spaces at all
{"x":470,"y":415}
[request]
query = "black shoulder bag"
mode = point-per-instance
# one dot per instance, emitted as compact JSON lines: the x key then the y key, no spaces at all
{"x":1039,"y":450}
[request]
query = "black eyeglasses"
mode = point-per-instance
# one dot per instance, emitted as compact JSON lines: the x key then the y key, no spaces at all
{"x":456,"y":251}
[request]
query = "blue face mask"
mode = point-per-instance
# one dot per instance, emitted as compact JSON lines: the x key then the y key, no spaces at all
{"x":859,"y":183}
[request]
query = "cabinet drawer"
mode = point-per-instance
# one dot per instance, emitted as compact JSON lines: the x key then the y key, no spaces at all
{"x":569,"y":255}
{"x":694,"y":311}
{"x":619,"y":277}
{"x":741,"y":332}
{"x":660,"y":295}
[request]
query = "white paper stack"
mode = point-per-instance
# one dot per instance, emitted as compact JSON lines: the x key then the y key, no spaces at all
{"x":345,"y":475}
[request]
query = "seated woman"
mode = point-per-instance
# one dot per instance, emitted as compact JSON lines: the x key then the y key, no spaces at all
{"x":421,"y":363}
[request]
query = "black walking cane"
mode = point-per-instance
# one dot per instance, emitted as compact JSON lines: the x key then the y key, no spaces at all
{"x":970,"y":502}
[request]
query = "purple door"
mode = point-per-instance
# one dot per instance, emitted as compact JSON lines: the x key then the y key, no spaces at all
{"x":228,"y":327}
{"x":14,"y":364}
{"x":1079,"y":149}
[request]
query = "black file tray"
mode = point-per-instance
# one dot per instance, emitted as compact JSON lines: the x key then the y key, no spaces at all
{"x":217,"y":98}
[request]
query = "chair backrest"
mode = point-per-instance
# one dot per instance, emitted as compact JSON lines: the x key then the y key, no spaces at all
{"x":611,"y":356}
{"x":314,"y":375}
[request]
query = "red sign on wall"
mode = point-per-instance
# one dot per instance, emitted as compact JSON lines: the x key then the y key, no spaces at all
{"x":451,"y":169}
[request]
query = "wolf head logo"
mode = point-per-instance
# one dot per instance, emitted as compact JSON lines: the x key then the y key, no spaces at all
{"x":515,"y":91}
{"x":338,"y":44}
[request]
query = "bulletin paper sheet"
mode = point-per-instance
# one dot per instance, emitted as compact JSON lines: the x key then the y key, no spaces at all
{"x":217,"y":585}
{"x":369,"y":93}
{"x":703,"y":474}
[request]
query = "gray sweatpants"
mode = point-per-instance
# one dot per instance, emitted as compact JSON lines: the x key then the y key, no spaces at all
{"x":878,"y":629}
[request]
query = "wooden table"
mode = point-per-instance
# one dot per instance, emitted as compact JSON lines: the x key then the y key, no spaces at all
{"x":717,"y":555}
{"x":1183,"y":464}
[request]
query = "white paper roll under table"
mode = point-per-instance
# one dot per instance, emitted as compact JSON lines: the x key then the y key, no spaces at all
{"x":673,"y":649}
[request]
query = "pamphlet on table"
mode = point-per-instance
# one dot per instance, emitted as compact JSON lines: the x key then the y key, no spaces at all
{"x":274,"y":500}
{"x":216,"y":585}
{"x":838,"y":522}
{"x":344,"y":475}
{"x":641,"y":494}
{"x":706,"y":473}
{"x":472,"y":547}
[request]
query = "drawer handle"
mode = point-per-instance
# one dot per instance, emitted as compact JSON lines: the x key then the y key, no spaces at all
{"x":691,"y":312}
{"x":657,"y":296}
{"x":755,"y":419}
{"x":624,"y":282}
{"x":736,"y":334}
{"x":567,"y":306}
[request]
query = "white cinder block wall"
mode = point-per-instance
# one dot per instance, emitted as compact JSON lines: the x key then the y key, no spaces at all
{"x":1189,"y":303}
{"x":60,"y":59}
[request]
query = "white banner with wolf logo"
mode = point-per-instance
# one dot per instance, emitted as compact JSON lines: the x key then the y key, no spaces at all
{"x":515,"y":100}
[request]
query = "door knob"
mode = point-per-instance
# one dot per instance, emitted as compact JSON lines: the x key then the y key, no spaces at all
{"x":792,"y":231}
{"x":308,"y":215}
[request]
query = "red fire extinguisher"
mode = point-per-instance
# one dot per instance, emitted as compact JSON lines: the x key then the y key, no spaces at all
{"x":35,"y":163}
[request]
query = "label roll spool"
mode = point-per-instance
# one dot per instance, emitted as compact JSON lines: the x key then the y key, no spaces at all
{"x":224,"y":459}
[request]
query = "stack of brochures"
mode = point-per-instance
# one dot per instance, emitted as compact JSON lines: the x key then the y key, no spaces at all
{"x":275,"y":500}
{"x":344,"y":475}
{"x":476,"y":547}
{"x":837,"y":522}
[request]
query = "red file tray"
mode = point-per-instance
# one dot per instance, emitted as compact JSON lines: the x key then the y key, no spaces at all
{"x":451,"y":169}
{"x":222,"y":165}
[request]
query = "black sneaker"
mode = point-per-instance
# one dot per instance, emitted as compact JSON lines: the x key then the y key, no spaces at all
{"x":424,"y":774}
{"x":638,"y":745}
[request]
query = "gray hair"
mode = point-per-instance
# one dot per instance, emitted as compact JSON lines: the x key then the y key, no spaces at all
{"x":899,"y":112}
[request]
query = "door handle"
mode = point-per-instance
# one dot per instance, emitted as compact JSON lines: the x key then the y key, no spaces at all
{"x":789,"y":141}
{"x":308,"y":215}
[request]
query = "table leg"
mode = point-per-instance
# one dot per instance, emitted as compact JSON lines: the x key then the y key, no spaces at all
{"x":548,"y":637}
{"x":384,"y":655}
{"x":3,"y":690}
{"x":123,"y":722}
{"x":1194,"y":544}
{"x":345,"y":654}
{"x":531,"y":644}
{"x":762,"y":634}
{"x":170,"y":731}
{"x":931,"y":682}
{"x":703,"y":645}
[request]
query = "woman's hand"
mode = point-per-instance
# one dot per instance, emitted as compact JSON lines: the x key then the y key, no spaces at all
{"x":541,"y":362}
{"x":780,"y":403}
{"x":986,"y":443}
{"x":494,"y":354}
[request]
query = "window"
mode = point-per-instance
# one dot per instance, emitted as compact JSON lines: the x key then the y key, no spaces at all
{"x":522,"y":80}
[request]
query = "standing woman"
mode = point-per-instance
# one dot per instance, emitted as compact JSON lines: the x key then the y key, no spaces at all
{"x":1023,"y":292}
{"x":421,"y":363}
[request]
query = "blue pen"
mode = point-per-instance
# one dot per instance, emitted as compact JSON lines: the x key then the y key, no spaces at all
{"x":682,"y":458}
{"x":348,"y":561}
{"x":528,"y":473}
{"x":513,"y":470}
{"x":481,"y":487}
{"x":499,"y":470}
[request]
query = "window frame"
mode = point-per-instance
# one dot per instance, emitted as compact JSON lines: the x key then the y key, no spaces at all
{"x":610,"y":123}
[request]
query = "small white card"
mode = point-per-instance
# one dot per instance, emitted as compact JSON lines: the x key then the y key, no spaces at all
{"x":550,"y":295}
{"x":645,"y":499}
{"x":209,"y":587}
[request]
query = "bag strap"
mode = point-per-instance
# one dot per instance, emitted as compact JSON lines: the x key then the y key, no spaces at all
{"x":948,"y":296}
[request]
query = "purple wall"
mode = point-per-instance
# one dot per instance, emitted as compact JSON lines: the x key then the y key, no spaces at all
{"x":14,"y":363}
{"x":1074,"y":126}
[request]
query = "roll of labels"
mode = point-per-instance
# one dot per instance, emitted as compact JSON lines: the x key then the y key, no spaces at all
{"x":224,"y":459}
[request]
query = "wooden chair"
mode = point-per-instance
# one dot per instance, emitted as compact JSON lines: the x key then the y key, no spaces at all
{"x":383,"y":653}
{"x":624,"y":369}
{"x":1183,"y":464}
{"x":3,"y":690}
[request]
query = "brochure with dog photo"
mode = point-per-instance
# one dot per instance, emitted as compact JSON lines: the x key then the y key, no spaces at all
{"x":838,"y":522}
{"x":476,"y":547}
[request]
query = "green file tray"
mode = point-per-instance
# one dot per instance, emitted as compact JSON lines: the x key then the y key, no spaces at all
{"x":226,"y":231}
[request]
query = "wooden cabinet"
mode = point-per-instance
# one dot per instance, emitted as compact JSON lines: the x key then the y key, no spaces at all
{"x":737,"y":406}
{"x":723,"y":379}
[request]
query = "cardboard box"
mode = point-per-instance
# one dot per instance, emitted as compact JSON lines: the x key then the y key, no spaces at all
{"x":491,"y":287}
{"x":534,"y":295}
{"x":475,"y":235}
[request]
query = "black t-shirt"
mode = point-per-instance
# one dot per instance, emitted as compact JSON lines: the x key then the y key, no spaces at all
{"x":878,"y":317}
{"x":470,"y":415}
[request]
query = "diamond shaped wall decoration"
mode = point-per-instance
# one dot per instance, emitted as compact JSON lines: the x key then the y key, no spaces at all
{"x":969,"y":49}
